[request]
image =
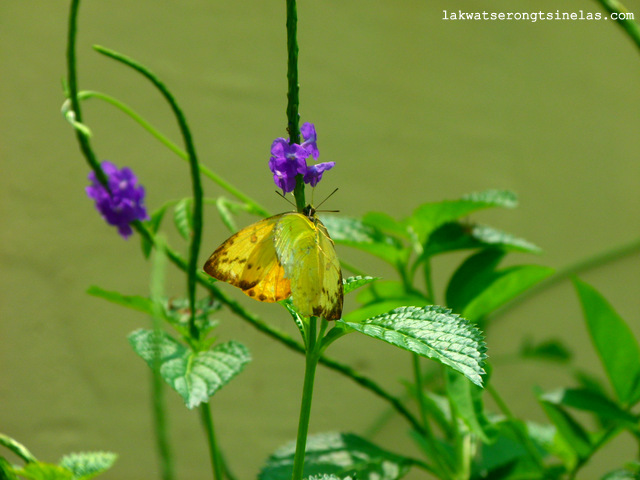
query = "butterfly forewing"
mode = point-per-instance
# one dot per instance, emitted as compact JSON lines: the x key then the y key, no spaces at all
{"x":248,"y":260}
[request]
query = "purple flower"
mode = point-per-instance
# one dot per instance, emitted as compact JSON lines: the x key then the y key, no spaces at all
{"x":286,"y":162}
{"x":125,"y":202}
{"x":308,"y":131}
{"x":314,"y":172}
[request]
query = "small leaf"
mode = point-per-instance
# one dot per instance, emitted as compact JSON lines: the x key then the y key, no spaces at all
{"x":6,"y":470}
{"x":632,"y":472}
{"x":135,"y":302}
{"x":196,"y":376}
{"x":385,"y":223}
{"x":432,"y":332}
{"x":339,"y":455}
{"x":183,"y":217}
{"x":352,"y":283}
{"x":467,"y":399}
{"x":429,"y":216}
{"x":154,"y":225}
{"x":325,"y":476}
{"x":551,"y":350}
{"x":44,"y":471}
{"x":88,"y":465}
{"x":355,"y":233}
{"x":590,"y":401}
{"x":459,"y":236}
{"x":618,"y":349}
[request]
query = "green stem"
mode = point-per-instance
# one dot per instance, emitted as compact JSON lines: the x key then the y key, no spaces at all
{"x":72,"y":82}
{"x":628,"y":25}
{"x":311,"y":362}
{"x":214,"y":453}
{"x":255,"y":206}
{"x":571,"y":270}
{"x":17,"y":448}
{"x":194,"y":247}
{"x":417,"y":376}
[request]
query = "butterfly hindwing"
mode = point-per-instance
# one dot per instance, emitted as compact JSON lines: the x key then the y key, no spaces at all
{"x":308,"y":257}
{"x":248,"y":260}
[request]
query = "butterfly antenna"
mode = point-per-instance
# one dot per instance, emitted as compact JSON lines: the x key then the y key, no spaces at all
{"x":327,"y":198}
{"x":278,"y":192}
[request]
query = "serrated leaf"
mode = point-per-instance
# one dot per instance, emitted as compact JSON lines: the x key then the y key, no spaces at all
{"x":574,"y":436}
{"x":454,"y":236}
{"x":429,"y":216}
{"x":432,"y":332}
{"x":383,"y":306}
{"x":86,"y":465}
{"x":196,"y":376}
{"x":135,"y":302}
{"x":590,"y":401}
{"x":613,"y":340}
{"x":351,"y":283}
{"x":355,"y":233}
{"x":338,"y":454}
{"x":183,"y":217}
{"x":44,"y":471}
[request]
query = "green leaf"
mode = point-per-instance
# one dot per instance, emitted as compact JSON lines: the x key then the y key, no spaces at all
{"x":87,"y":465}
{"x":432,"y":332}
{"x":135,"y":302}
{"x":630,"y":473}
{"x":550,"y":350}
{"x":183,"y":217}
{"x":385,"y":223}
{"x":226,"y":209}
{"x":614,"y":342}
{"x":196,"y":376}
{"x":590,"y":401}
{"x":340,"y":455}
{"x":352,"y":283}
{"x":153,"y":224}
{"x":324,"y":476}
{"x":355,"y":233}
{"x":477,"y":289}
{"x":6,"y":470}
{"x":378,"y":308}
{"x":574,"y":436}
{"x":467,"y":399}
{"x":45,"y":471}
{"x":429,"y":216}
{"x":460,"y":236}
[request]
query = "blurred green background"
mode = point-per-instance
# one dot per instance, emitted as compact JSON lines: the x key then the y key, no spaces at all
{"x":411,"y":108}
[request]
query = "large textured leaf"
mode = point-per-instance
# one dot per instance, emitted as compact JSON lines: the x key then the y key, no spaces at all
{"x":432,"y":332}
{"x":87,"y":465}
{"x":196,"y":376}
{"x":355,"y":233}
{"x":340,"y":455}
{"x":614,"y":342}
{"x":429,"y":216}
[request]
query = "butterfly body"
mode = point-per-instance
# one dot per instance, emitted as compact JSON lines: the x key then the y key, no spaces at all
{"x":290,"y":254}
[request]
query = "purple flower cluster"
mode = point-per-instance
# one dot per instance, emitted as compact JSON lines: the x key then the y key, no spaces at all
{"x":125,"y":202}
{"x":287,"y":160}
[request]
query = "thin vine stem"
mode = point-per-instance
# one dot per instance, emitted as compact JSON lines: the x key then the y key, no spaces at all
{"x":17,"y":448}
{"x":210,"y":174}
{"x":628,"y":25}
{"x":214,"y":453}
{"x":195,"y":176}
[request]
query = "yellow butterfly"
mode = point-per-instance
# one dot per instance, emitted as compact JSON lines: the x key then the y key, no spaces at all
{"x":290,"y":254}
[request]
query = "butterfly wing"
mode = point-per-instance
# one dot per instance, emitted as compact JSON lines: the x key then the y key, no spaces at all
{"x":248,"y":260}
{"x":308,"y":256}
